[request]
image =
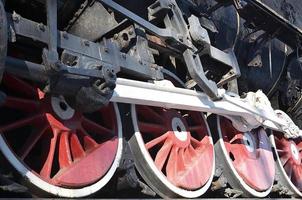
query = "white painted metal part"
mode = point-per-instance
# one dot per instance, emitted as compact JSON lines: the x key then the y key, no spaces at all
{"x":246,"y":114}
{"x":291,"y":130}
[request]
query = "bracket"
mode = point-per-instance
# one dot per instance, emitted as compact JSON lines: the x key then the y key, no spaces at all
{"x":50,"y":56}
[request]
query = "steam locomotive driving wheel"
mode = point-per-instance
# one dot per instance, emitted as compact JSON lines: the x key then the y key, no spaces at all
{"x":173,"y":150}
{"x":246,"y":158}
{"x":55,"y":148}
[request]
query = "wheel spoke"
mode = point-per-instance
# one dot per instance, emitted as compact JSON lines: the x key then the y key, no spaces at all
{"x":195,"y":142}
{"x":16,"y":84}
{"x":47,"y":167}
{"x":89,"y":143}
{"x":64,"y":150}
{"x":21,"y":123}
{"x":299,"y":144}
{"x":282,"y":150}
{"x":151,"y":128}
{"x":152,"y":114}
{"x":228,"y":128}
{"x":195,"y":128}
{"x":31,"y":141}
{"x":172,"y":164}
{"x":200,"y":145}
{"x":285,"y":158}
{"x":188,"y":155}
{"x":236,"y":147}
{"x":76,"y":147}
{"x":280,"y":143}
{"x":288,"y":167}
{"x":233,"y":147}
{"x":181,"y":160}
{"x":197,"y":170}
{"x":238,"y":138}
{"x":296,"y":176}
{"x":191,"y":152}
{"x":163,"y":154}
{"x":95,"y":128}
{"x":157,"y":140}
{"x":21,"y":104}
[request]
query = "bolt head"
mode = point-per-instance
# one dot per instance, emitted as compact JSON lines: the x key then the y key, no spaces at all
{"x":65,"y":35}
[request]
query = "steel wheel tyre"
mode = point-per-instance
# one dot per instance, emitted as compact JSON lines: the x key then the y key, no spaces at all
{"x":247,"y":159}
{"x":288,"y":162}
{"x":55,"y":148}
{"x":173,"y":151}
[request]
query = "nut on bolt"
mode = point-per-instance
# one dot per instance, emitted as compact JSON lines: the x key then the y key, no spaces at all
{"x":86,"y":43}
{"x":16,"y":17}
{"x":65,"y":35}
{"x":131,"y":31}
{"x":110,"y":73}
{"x":171,"y":5}
{"x":106,"y":49}
{"x":41,"y":27}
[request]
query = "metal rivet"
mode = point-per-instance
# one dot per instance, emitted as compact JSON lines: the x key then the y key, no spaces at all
{"x":41,"y":27}
{"x":16,"y":17}
{"x":131,"y":32}
{"x":86,"y":43}
{"x":65,"y":35}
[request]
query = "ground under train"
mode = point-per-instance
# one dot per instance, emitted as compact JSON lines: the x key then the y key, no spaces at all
{"x":152,"y":98}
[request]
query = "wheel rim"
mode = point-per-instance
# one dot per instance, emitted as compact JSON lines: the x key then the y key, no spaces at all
{"x":57,"y":143}
{"x":177,"y":146}
{"x":289,"y":155}
{"x":250,"y":155}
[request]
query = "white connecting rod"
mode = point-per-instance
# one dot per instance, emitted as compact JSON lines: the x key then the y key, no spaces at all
{"x":248,"y":113}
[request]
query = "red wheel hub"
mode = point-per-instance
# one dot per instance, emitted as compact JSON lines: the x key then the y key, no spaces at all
{"x":179,"y":144}
{"x":62,"y":146}
{"x":251,"y":155}
{"x":290,"y":154}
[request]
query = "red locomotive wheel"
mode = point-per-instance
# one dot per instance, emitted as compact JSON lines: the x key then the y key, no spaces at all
{"x":58,"y":149}
{"x":289,"y":160}
{"x":249,"y":157}
{"x":173,"y":150}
